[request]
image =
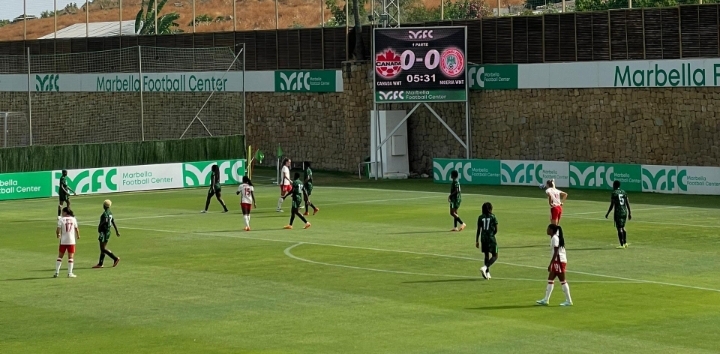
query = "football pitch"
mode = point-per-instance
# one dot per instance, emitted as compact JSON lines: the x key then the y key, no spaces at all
{"x":378,"y":272}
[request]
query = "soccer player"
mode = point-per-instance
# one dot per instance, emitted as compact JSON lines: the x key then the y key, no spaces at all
{"x":620,"y":202}
{"x":285,"y":183}
{"x":247,"y":199}
{"x":556,"y":199}
{"x":488,"y":228}
{"x":64,"y":193}
{"x":455,"y":199}
{"x":67,"y":231}
{"x":215,"y":189}
{"x":557,"y":266}
{"x":297,"y":198}
{"x":308,"y":190}
{"x":106,"y":219}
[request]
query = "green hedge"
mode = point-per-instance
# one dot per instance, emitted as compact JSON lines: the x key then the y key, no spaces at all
{"x":48,"y":158}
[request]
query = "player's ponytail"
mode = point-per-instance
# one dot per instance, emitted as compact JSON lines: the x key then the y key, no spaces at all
{"x":560,"y":236}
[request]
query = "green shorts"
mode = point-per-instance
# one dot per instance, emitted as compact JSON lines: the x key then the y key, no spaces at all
{"x":488,"y":245}
{"x":218,"y":189}
{"x":63,"y":198}
{"x":296,"y":203}
{"x":104,"y":236}
{"x":308,"y":189}
{"x":620,"y":220}
{"x":455,"y":204}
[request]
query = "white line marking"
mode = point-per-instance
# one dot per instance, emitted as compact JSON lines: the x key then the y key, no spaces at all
{"x":634,"y":220}
{"x":420,"y":253}
{"x":289,"y":254}
{"x":645,"y":209}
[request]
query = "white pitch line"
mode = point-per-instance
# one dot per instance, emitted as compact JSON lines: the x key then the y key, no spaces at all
{"x":641,"y":209}
{"x":289,"y":254}
{"x":634,"y":220}
{"x":421,"y":253}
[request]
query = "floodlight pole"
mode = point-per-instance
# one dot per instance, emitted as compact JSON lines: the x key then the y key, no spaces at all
{"x":156,"y":19}
{"x":142,"y":102}
{"x":87,"y":18}
{"x":5,"y":130}
{"x":29,"y":97}
{"x":243,"y":95}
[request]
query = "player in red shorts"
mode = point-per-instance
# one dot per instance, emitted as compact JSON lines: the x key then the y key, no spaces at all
{"x":67,"y":231}
{"x":285,"y":183}
{"x":556,"y":199}
{"x":247,"y":200}
{"x":557,"y":266}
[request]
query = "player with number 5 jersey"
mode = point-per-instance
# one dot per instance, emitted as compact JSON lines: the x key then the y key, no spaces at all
{"x":247,"y":199}
{"x":68,"y":233}
{"x":621,"y":203}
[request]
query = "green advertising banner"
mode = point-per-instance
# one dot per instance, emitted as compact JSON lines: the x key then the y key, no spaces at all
{"x":493,"y":77}
{"x":25,"y":185}
{"x":470,"y":171}
{"x":588,"y":175}
{"x":305,"y":81}
{"x":420,"y":96}
{"x":197,"y":174}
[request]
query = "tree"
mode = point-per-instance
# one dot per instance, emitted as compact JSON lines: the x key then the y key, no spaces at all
{"x":466,"y":10}
{"x":145,"y":19}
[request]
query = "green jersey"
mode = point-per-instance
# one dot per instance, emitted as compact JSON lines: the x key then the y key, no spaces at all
{"x":455,"y":194}
{"x":105,"y":222}
{"x":297,"y":191}
{"x":308,"y":175}
{"x":63,"y":190}
{"x":488,"y":225}
{"x":619,"y":201}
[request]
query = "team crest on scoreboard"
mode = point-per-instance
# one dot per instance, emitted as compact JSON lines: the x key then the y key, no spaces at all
{"x":387,"y":64}
{"x":452,"y":62}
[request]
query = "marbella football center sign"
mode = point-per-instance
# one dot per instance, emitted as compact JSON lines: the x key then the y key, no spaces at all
{"x":420,"y":64}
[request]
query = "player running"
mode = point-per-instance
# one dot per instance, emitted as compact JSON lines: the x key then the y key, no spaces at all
{"x":297,"y":198}
{"x":67,"y":231}
{"x":620,"y":202}
{"x":64,"y":193}
{"x":558,"y":262}
{"x":247,"y":199}
{"x":455,"y":199}
{"x":487,"y":228}
{"x":215,"y":189}
{"x":285,"y":183}
{"x":308,"y":190}
{"x":106,"y":219}
{"x":556,"y":199}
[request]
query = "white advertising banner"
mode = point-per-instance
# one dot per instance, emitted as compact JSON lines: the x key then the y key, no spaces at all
{"x":534,"y":173}
{"x":699,"y":180}
{"x":122,"y":179}
{"x":660,"y":179}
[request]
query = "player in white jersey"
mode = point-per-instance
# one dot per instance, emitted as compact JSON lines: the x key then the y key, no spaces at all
{"x":247,"y":199}
{"x":558,"y":263}
{"x":67,"y":231}
{"x":556,"y":199}
{"x":285,"y":183}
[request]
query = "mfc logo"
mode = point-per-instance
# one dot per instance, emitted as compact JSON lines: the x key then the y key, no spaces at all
{"x":198,"y":174}
{"x":421,"y":34}
{"x":523,"y":173}
{"x":392,"y":95}
{"x":663,"y":179}
{"x":88,"y":181}
{"x":297,"y":81}
{"x":476,"y":76}
{"x":47,"y":83}
{"x":592,"y":176}
{"x":443,"y":173}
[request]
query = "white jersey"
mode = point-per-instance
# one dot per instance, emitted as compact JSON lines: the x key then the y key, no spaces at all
{"x":67,"y":225}
{"x":554,"y":195}
{"x":285,"y":175}
{"x":555,"y":242}
{"x":246,"y":193}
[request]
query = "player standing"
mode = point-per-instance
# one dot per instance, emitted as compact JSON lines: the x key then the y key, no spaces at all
{"x":556,"y":199}
{"x":297,"y":198}
{"x":455,"y":199}
{"x":308,"y":190}
{"x":621,"y":203}
{"x":285,"y":183}
{"x":247,"y":199}
{"x":67,"y":231}
{"x":557,"y":266}
{"x":215,"y":189}
{"x":487,"y":227}
{"x":63,"y":193}
{"x":106,"y":219}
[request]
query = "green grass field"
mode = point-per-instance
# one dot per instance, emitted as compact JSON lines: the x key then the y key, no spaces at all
{"x":378,"y":272}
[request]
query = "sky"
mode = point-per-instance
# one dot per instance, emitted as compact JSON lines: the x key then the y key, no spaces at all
{"x":10,"y":9}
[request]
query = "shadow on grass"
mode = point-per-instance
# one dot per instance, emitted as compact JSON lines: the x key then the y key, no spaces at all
{"x":591,"y":249}
{"x":30,"y":278}
{"x":504,"y":307}
{"x":419,"y":232}
{"x":443,"y":281}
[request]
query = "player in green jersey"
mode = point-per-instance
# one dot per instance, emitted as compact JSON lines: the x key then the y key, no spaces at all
{"x":620,"y":202}
{"x":64,"y":193}
{"x":106,"y":219}
{"x":486,"y":231}
{"x":455,"y":199}
{"x":308,"y":190}
{"x":215,"y":189}
{"x":298,"y":191}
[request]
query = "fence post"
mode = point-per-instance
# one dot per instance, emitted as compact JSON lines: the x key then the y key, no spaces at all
{"x":29,"y":97}
{"x":142,"y":103}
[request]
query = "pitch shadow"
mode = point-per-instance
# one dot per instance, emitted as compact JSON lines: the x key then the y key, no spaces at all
{"x":505,"y":307}
{"x":443,"y":281}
